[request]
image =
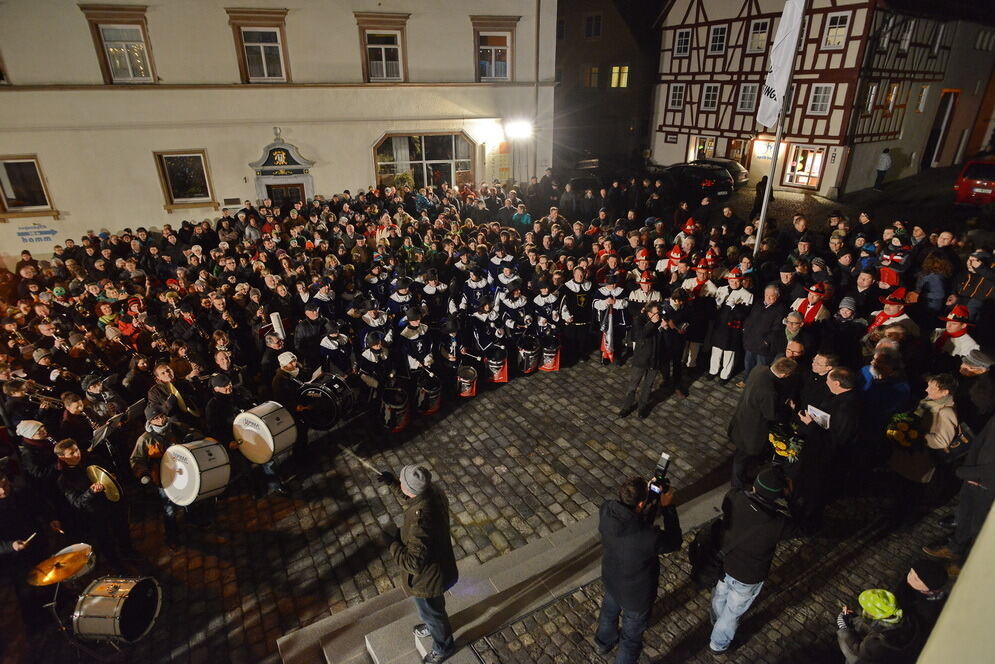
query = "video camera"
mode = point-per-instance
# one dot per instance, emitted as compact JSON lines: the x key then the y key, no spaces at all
{"x":661,"y":482}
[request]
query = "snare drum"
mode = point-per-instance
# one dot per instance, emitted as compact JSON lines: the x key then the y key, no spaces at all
{"x":330,"y":399}
{"x":117,"y":608}
{"x":395,"y":410}
{"x":194,"y":471}
{"x":428,"y":394}
{"x":497,"y":365}
{"x":264,"y":432}
{"x":550,"y":353}
{"x":466,"y":381}
{"x":528,"y":355}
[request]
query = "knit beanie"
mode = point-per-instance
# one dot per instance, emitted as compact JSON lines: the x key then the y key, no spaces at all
{"x":769,"y":484}
{"x":933,"y":575}
{"x":415,"y":479}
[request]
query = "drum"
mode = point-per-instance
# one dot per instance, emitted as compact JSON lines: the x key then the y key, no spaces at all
{"x":329,"y":399}
{"x":194,"y":471}
{"x":550,"y":353}
{"x":497,"y":365}
{"x":264,"y":432}
{"x":428,"y":393}
{"x":117,"y":608}
{"x":466,"y":381}
{"x":528,"y":355}
{"x":394,"y":409}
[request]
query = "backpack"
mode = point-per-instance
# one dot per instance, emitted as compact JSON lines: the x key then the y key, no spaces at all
{"x":705,"y":555}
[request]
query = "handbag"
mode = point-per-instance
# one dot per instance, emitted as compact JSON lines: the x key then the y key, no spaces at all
{"x":959,"y":446}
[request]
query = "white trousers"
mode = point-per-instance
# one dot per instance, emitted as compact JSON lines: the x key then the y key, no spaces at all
{"x":722,"y":360}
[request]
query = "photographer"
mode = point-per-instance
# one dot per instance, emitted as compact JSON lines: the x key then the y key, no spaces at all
{"x":630,"y":566}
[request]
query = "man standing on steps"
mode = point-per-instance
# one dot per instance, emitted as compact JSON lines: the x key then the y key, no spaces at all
{"x":882,"y":168}
{"x":630,"y":564}
{"x":423,"y":550}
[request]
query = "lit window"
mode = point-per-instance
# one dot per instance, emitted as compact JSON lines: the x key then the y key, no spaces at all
{"x":923,"y":96}
{"x":872,"y":95}
{"x":804,"y":167}
{"x":590,"y":77}
{"x":124,"y":46}
{"x":429,"y":160}
{"x":710,"y":97}
{"x":821,"y":99}
{"x":836,"y":28}
{"x":747,"y":97}
{"x":758,"y":36}
{"x":592,"y":26}
{"x":263,"y":54}
{"x":889,"y":25}
{"x":383,"y":55}
{"x":492,"y":56}
{"x":620,"y":76}
{"x":682,"y":43}
{"x":23,"y":186}
{"x":675,"y":101}
{"x":890,"y":98}
{"x":939,"y":39}
{"x":910,"y":26}
{"x":717,"y":39}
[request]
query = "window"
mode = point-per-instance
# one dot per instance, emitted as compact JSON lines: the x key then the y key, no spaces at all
{"x":682,"y":43}
{"x":23,"y":187}
{"x":747,"y":97}
{"x":430,"y":159}
{"x":120,"y":35}
{"x":260,"y":44}
{"x":803,"y":34}
{"x":889,"y":100}
{"x":938,"y":41}
{"x":804,"y":168}
{"x":717,"y":39}
{"x":382,"y":37}
{"x":910,"y":25}
{"x":494,"y":36}
{"x":592,"y":26}
{"x":185,"y":179}
{"x":836,"y":29}
{"x":710,"y":96}
{"x":923,"y":95}
{"x":675,"y":100}
{"x":889,"y":25}
{"x":620,"y":76}
{"x":758,"y":36}
{"x":560,"y":29}
{"x":590,"y":75}
{"x":821,"y":99}
{"x":872,"y":96}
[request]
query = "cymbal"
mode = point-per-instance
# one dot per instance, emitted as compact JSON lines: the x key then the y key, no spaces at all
{"x":60,"y":567}
{"x":111,"y":488}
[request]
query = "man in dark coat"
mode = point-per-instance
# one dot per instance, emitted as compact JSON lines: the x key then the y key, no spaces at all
{"x":630,"y":565}
{"x":761,"y":405}
{"x":763,"y":321}
{"x":423,"y":550}
{"x":645,"y":360}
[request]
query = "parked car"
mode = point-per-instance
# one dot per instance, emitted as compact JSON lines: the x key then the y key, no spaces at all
{"x":976,"y":184}
{"x":692,"y":182}
{"x":738,"y":172}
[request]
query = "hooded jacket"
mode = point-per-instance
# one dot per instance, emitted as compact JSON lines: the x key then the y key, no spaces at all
{"x":630,"y":564}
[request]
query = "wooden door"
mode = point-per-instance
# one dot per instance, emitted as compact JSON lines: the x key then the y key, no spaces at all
{"x":285,"y":194}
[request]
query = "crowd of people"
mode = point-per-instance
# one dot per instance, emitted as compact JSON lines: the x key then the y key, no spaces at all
{"x":122,"y":344}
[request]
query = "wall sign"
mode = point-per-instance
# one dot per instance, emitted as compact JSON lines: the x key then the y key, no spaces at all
{"x":670,"y":138}
{"x":36,"y":232}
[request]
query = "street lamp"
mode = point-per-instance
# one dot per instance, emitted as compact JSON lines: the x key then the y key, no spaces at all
{"x":518,"y":129}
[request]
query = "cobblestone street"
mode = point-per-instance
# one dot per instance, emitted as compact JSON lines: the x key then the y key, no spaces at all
{"x":518,"y":461}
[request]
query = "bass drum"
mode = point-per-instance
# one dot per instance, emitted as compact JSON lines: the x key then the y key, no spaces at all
{"x":550,"y":353}
{"x":117,"y":608}
{"x":528,"y":355}
{"x":264,"y":431}
{"x":497,"y":365}
{"x":327,"y":400}
{"x":428,"y":394}
{"x":194,"y":471}
{"x":466,"y":381}
{"x":395,"y":410}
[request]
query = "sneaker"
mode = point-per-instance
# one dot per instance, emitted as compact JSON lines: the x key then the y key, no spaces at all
{"x":942,"y":552}
{"x":434,"y":657}
{"x":421,"y":631}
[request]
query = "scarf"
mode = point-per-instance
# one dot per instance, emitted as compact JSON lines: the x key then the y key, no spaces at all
{"x":882,"y":318}
{"x":944,"y":337}
{"x":809,"y":311}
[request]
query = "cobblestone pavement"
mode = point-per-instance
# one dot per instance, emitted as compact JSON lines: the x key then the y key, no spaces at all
{"x":792,"y":622}
{"x":519,"y":461}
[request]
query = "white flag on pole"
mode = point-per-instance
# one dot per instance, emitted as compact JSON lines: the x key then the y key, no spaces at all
{"x":779,"y":70}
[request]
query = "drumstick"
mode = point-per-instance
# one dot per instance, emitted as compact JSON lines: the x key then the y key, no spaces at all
{"x":361,"y":460}
{"x":33,"y":535}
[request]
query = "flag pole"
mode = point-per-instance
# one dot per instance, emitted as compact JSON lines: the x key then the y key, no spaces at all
{"x":781,"y":120}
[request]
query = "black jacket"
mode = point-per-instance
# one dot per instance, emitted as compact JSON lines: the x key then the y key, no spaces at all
{"x":979,"y":464}
{"x":761,"y":324}
{"x":759,"y":406}
{"x":630,"y":565}
{"x":648,"y":339}
{"x":751,"y":529}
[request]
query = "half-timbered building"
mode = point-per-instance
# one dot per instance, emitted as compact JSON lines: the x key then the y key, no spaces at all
{"x":866,"y":78}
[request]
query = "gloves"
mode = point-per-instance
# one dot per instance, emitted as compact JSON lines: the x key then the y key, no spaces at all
{"x":390,"y":535}
{"x":387,"y":477}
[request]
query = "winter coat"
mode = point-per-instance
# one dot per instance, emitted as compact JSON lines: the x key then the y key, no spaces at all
{"x":424,"y":551}
{"x":938,"y":426}
{"x":761,"y":324}
{"x":759,"y":406}
{"x":751,"y":529}
{"x":630,"y":564}
{"x":648,"y":340}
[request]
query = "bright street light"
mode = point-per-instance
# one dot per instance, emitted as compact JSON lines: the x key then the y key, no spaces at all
{"x":518,"y":129}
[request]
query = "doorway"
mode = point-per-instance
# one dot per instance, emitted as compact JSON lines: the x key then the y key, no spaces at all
{"x":734,"y":150}
{"x":938,"y":133}
{"x":285,"y":194}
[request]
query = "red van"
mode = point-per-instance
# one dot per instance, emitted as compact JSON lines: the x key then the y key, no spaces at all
{"x":976,"y":184}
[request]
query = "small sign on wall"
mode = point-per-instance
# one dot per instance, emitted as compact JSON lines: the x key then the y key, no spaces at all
{"x":35,"y":233}
{"x":670,"y":138}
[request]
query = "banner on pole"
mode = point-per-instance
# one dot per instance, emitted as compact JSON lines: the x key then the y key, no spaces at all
{"x":781,"y":58}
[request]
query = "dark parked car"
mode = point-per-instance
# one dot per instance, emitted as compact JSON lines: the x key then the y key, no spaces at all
{"x":692,"y":182}
{"x":739,"y":174}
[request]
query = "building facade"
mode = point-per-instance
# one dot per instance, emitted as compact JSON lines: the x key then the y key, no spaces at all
{"x":127,"y":115}
{"x":866,"y":78}
{"x":606,"y":71}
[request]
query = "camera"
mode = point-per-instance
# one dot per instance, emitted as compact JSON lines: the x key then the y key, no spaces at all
{"x":660,"y":482}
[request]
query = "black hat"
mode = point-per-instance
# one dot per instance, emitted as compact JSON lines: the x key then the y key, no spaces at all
{"x":220,"y":380}
{"x":374,"y":338}
{"x":312,"y":305}
{"x":933,"y":575}
{"x":514,"y":284}
{"x":413,"y":313}
{"x":404,"y":282}
{"x":450,"y":326}
{"x":431,"y":274}
{"x":544,"y":283}
{"x":769,"y":483}
{"x":333,"y":328}
{"x":89,"y":380}
{"x":153,"y":410}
